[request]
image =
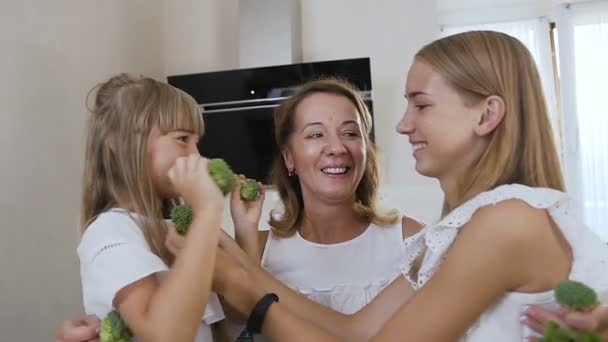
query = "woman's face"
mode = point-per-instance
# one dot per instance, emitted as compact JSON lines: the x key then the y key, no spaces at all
{"x":439,"y":123}
{"x":327,"y":149}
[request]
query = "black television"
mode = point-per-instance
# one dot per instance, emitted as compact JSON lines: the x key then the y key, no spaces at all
{"x":238,"y":107}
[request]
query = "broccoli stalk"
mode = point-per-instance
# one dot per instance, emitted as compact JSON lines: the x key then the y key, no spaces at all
{"x":222,"y":174}
{"x":575,"y":296}
{"x":250,"y":190}
{"x":114,"y":329}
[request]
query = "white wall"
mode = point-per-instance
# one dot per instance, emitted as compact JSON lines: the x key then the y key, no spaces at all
{"x":53,"y":52}
{"x":200,"y":36}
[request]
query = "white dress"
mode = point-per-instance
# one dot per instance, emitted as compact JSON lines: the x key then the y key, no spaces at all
{"x":501,"y":321}
{"x":113,"y":254}
{"x":344,"y":276}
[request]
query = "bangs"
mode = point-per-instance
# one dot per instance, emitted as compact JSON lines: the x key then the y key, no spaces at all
{"x":180,"y":113}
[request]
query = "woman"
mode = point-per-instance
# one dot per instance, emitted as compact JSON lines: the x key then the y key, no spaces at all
{"x":477,"y":121}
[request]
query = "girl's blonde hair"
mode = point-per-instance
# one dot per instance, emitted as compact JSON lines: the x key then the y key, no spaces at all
{"x":116,"y":168}
{"x":522,"y":149}
{"x":366,"y":203}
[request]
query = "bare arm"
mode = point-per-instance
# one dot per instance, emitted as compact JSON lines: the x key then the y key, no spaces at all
{"x":172,"y":310}
{"x":358,"y":327}
{"x":499,"y":250}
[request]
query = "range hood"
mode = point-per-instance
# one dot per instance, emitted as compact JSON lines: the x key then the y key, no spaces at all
{"x":269,"y":33}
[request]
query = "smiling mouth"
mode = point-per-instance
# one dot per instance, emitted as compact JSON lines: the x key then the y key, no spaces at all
{"x":418,"y":146}
{"x":335,"y":170}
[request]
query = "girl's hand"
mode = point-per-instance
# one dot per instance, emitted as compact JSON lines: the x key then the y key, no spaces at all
{"x":246,"y":218}
{"x":173,"y":241}
{"x":596,"y":320}
{"x":191,"y":179}
{"x":84,"y":329}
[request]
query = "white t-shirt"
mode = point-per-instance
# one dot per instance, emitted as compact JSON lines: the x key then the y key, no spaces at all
{"x":113,"y":254}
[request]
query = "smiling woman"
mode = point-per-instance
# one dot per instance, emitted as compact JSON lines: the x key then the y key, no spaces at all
{"x":331,"y":243}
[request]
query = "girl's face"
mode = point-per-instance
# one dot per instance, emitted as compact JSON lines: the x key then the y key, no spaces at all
{"x":442,"y":128}
{"x":163,"y":150}
{"x":327,"y":149}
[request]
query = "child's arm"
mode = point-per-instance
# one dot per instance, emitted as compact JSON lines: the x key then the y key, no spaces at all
{"x":173,"y":309}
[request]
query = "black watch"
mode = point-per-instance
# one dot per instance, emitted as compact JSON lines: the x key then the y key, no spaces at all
{"x":256,"y":319}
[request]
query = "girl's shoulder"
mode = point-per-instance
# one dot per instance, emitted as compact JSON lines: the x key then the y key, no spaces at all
{"x":111,"y":228}
{"x":521,"y":199}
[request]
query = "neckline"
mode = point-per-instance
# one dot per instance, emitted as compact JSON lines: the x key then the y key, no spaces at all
{"x":337,"y":244}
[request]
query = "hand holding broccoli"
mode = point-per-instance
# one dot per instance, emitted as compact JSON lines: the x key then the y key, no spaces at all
{"x":114,"y":329}
{"x":575,"y":296}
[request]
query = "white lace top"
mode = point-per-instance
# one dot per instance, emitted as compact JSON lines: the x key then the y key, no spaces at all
{"x":343,"y":276}
{"x":501,"y":321}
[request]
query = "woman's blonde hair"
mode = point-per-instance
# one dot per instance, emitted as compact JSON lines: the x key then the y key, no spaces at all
{"x":116,"y":172}
{"x":522,"y":149}
{"x":289,"y":189}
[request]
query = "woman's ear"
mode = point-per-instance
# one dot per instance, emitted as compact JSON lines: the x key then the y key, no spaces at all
{"x":493,"y":112}
{"x":288,"y":159}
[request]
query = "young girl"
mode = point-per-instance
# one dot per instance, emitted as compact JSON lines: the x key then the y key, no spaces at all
{"x":477,"y":121}
{"x":140,"y":153}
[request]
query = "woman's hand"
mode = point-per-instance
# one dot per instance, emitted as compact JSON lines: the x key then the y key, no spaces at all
{"x":246,"y":218}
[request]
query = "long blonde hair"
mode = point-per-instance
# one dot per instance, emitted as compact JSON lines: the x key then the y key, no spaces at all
{"x":365,"y":205}
{"x":522,"y":149}
{"x":116,"y":172}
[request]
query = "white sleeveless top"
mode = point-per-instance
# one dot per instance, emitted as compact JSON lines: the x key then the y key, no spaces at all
{"x":344,"y":276}
{"x":501,"y":321}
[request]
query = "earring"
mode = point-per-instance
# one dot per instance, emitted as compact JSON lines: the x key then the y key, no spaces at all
{"x":291,"y":172}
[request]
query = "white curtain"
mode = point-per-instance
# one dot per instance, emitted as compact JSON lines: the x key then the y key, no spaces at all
{"x":583,"y":32}
{"x":535,"y":35}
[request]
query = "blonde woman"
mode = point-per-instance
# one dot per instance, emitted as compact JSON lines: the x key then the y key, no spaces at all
{"x":477,"y":121}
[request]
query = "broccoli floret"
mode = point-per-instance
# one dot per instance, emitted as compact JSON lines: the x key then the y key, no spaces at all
{"x":222,"y":174}
{"x":114,"y":329}
{"x":181,"y":216}
{"x":554,"y":333}
{"x":250,"y":190}
{"x":575,"y":295}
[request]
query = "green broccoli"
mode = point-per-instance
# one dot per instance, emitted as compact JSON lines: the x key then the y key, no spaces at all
{"x":181,"y":216}
{"x":222,"y":174}
{"x":576,"y":296}
{"x":250,"y":190}
{"x":114,"y":329}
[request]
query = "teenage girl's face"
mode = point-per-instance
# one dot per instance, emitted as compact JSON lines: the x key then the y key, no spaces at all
{"x":163,"y":150}
{"x":327,"y":149}
{"x":439,"y":124}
